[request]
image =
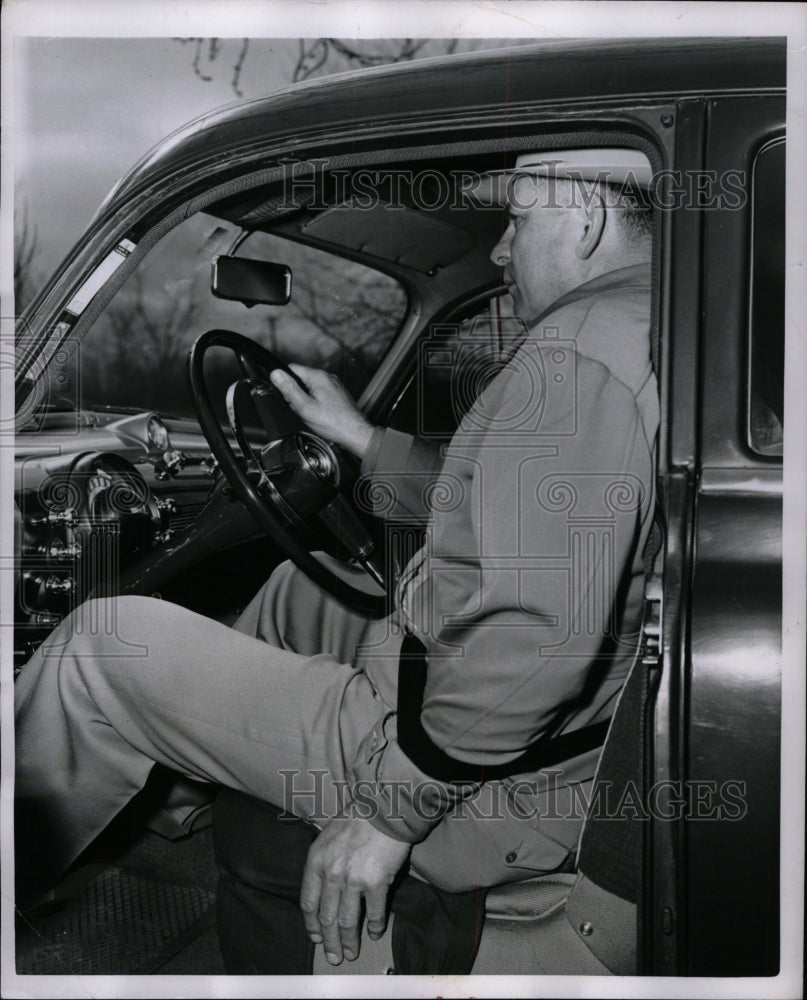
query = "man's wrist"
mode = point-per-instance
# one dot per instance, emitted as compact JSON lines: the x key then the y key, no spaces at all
{"x":359,"y":440}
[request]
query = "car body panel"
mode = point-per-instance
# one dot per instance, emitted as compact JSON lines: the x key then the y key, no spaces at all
{"x":733,"y":736}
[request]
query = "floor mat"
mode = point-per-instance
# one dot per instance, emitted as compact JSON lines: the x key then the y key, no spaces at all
{"x":120,"y":924}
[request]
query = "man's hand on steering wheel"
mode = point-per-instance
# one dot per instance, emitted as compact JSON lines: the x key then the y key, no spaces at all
{"x":348,"y":861}
{"x":296,"y":485}
{"x":327,"y":407}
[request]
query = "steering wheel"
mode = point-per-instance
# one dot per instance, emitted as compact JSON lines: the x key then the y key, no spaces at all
{"x":294,"y":486}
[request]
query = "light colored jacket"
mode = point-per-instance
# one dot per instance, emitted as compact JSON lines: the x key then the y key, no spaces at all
{"x":528,"y":591}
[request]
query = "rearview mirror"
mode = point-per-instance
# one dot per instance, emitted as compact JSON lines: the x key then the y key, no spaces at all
{"x":253,"y":282}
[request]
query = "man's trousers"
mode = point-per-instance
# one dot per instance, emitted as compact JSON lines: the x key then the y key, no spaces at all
{"x":273,"y":707}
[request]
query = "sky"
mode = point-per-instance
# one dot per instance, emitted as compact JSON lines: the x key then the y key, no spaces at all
{"x":88,"y":108}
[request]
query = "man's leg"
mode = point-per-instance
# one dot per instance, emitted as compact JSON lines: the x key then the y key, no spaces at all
{"x":294,"y":613}
{"x":290,"y":612}
{"x":261,"y":855}
{"x":95,"y":711}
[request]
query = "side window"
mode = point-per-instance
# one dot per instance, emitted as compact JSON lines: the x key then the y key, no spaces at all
{"x":767,"y":308}
{"x":456,"y":359}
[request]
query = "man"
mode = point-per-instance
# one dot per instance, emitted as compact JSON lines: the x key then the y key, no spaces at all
{"x":526,"y":598}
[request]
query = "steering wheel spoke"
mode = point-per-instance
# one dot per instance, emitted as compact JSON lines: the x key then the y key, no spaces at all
{"x":293,"y":483}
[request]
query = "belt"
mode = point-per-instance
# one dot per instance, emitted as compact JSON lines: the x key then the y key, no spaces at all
{"x":413,"y":739}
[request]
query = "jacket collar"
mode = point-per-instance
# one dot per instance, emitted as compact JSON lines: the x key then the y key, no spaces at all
{"x":634,"y":276}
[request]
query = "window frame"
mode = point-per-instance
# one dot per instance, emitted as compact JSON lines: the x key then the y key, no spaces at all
{"x":776,"y":143}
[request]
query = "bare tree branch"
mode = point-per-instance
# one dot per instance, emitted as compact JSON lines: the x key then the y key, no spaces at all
{"x":239,"y":65}
{"x":311,"y":58}
{"x":211,"y":54}
{"x":316,"y":55}
{"x":196,"y":58}
{"x":366,"y":57}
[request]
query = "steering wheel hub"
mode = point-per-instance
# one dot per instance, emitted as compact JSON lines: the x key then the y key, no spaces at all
{"x":300,"y":474}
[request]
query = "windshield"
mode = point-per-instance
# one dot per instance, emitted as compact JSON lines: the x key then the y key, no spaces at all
{"x":342,"y":317}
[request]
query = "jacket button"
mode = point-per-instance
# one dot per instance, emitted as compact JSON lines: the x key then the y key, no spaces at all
{"x":511,"y":857}
{"x":586,"y":929}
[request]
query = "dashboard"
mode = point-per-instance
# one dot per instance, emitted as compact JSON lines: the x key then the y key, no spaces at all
{"x":108,"y":504}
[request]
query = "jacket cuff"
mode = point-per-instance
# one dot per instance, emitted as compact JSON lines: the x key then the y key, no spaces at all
{"x":394,"y":795}
{"x":369,"y":460}
{"x":388,"y":450}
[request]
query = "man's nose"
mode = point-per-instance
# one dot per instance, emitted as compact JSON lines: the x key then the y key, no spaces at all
{"x":500,"y":254}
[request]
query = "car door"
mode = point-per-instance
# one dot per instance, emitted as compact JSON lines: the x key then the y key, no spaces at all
{"x":711,"y":904}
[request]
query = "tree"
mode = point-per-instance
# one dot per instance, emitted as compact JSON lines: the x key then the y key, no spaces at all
{"x":207,"y":50}
{"x":140,"y":344}
{"x":26,"y":278}
{"x":323,"y":56}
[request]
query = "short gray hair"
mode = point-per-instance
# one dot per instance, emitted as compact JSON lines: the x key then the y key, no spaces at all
{"x":634,"y":208}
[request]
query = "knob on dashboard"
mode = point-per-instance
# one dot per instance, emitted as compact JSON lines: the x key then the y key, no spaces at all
{"x":67,"y":516}
{"x":59,"y":586}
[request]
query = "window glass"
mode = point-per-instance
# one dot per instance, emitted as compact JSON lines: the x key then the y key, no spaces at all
{"x":767,"y":319}
{"x":342,"y":317}
{"x":456,"y":359}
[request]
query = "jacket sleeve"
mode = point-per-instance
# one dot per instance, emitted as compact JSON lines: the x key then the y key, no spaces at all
{"x":519,"y":607}
{"x":397,"y":474}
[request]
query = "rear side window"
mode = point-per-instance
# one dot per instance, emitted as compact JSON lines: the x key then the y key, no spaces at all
{"x":456,"y":359}
{"x":767,"y":307}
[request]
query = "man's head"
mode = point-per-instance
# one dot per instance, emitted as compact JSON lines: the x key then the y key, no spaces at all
{"x":571,"y":216}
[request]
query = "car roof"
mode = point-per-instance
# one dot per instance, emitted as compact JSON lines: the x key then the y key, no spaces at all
{"x":504,"y":81}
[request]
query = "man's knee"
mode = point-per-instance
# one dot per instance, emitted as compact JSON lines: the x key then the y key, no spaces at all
{"x":97,"y":633}
{"x":272,"y":614}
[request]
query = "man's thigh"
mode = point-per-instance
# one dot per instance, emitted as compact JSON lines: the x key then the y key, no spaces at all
{"x":292,"y":612}
{"x":196,"y":696}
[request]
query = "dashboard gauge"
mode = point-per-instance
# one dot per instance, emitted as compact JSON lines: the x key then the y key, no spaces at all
{"x":157,"y":434}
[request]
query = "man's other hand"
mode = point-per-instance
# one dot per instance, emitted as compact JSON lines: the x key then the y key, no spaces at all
{"x":349,"y":860}
{"x":327,"y":407}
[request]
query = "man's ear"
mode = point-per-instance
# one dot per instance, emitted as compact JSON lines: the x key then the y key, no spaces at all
{"x":593,"y":225}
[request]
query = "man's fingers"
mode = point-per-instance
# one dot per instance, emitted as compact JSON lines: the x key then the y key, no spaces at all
{"x":290,"y":391}
{"x":323,"y":386}
{"x":310,"y":893}
{"x":376,"y":900}
{"x":318,"y":382}
{"x":329,"y":908}
{"x":349,"y":917}
{"x":306,"y":375}
{"x":349,"y":860}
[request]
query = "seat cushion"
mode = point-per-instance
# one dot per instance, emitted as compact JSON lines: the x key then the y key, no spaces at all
{"x":541,"y":946}
{"x":529,"y":899}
